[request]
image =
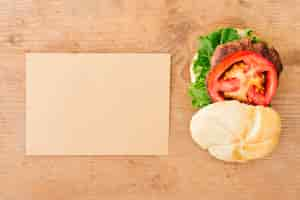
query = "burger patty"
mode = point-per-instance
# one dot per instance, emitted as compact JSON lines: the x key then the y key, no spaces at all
{"x":245,"y":44}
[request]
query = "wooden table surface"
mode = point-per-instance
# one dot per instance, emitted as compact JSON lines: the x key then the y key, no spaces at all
{"x":144,"y":26}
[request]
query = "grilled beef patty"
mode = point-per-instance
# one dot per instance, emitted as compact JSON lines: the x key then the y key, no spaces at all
{"x":245,"y":44}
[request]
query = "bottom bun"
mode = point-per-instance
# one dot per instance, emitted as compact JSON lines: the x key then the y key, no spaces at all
{"x":192,"y":75}
{"x":236,"y":132}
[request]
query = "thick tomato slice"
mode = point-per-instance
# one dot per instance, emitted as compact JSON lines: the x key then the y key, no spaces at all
{"x":217,"y":85}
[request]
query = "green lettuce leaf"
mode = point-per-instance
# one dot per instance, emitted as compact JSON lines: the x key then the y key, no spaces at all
{"x":229,"y":34}
{"x":201,"y":66}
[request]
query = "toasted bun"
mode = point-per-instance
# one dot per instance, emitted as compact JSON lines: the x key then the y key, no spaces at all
{"x":236,"y":132}
{"x":192,"y":75}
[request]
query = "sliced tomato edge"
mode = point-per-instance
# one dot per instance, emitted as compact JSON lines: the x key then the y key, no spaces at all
{"x":218,"y":70}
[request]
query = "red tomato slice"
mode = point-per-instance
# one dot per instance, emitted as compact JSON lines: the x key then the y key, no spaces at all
{"x":216,"y":85}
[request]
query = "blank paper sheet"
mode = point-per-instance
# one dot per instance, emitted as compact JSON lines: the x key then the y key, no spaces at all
{"x":97,"y":104}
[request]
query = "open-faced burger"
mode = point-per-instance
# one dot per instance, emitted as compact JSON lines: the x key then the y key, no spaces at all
{"x":234,"y":64}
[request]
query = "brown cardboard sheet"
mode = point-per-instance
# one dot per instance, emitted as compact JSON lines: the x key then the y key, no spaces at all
{"x":97,"y":104}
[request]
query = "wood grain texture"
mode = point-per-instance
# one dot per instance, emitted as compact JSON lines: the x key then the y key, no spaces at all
{"x":144,"y":26}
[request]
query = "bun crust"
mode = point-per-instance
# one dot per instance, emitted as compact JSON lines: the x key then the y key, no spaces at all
{"x":192,"y":75}
{"x":236,"y":132}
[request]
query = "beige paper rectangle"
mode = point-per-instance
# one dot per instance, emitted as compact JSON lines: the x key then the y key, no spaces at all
{"x":97,"y":104}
